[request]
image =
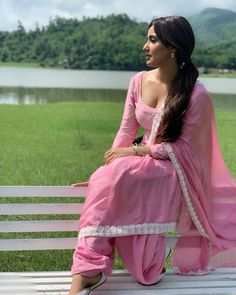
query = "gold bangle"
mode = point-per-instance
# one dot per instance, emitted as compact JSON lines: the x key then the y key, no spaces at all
{"x":135,"y":148}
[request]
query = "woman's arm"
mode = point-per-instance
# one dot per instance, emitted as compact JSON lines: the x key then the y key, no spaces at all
{"x":128,"y":129}
{"x":129,"y":124}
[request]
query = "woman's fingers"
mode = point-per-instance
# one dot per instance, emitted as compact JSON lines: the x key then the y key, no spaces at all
{"x":108,"y":154}
{"x":109,"y":159}
{"x":112,"y":156}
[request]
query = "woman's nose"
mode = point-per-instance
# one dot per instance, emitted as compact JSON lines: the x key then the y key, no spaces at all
{"x":146,"y":47}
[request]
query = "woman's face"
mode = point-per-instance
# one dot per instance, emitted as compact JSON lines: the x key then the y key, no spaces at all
{"x":156,"y":53}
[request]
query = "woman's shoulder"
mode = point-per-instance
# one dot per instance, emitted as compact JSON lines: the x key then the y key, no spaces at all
{"x":134,"y":84}
{"x":135,"y":79}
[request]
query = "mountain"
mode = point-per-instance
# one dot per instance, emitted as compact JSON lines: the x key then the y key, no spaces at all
{"x":214,"y":26}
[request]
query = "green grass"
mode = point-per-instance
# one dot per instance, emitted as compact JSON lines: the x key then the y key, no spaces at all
{"x":62,"y":143}
{"x":226,"y":124}
{"x":55,"y":144}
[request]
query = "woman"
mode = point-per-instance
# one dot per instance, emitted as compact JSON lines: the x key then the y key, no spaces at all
{"x":175,"y":180}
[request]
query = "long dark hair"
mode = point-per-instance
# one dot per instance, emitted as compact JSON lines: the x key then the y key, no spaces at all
{"x":175,"y":32}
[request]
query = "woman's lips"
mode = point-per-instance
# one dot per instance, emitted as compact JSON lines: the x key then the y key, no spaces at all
{"x":148,"y":56}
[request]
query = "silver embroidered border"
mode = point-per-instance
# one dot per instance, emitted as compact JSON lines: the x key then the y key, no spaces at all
{"x":185,"y":192}
{"x":126,"y":230}
{"x":155,"y":124}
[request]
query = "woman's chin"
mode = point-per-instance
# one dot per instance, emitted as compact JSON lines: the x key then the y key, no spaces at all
{"x":150,"y":65}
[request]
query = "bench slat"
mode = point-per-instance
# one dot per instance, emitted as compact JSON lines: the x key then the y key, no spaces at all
{"x":124,"y":276}
{"x":193,"y":284}
{"x":212,"y":291}
{"x":129,"y":280}
{"x":162,"y":286}
{"x":38,"y":226}
{"x":55,"y":208}
{"x":173,"y":288}
{"x":151,"y":292}
{"x":121,"y":283}
{"x":38,"y":244}
{"x":42,"y":191}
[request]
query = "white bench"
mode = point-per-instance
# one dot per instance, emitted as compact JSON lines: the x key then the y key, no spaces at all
{"x":222,"y":281}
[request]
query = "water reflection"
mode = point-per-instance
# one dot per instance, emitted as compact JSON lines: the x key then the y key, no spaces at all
{"x":22,"y":95}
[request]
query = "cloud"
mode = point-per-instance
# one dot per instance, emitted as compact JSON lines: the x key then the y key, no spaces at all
{"x":31,"y":12}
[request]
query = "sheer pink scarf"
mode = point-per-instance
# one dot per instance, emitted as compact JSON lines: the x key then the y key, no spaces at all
{"x":207,"y":222}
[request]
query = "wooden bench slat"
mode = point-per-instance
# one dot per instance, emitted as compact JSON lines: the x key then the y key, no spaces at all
{"x":166,"y":292}
{"x":38,"y":226}
{"x":41,"y":274}
{"x":121,"y":276}
{"x":19,"y":291}
{"x":138,"y":287}
{"x":122,"y":283}
{"x":39,"y":208}
{"x":129,"y":279}
{"x":38,"y":244}
{"x":194,"y":284}
{"x":151,"y":292}
{"x":135,"y":286}
{"x":42,"y":191}
{"x":14,"y":284}
{"x":213,"y":291}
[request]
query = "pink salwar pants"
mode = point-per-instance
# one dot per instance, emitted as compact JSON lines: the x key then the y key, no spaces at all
{"x":142,"y":255}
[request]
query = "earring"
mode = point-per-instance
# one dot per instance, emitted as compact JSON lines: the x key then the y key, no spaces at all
{"x":172,"y":54}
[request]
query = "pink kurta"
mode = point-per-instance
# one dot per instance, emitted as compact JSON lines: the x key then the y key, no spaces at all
{"x":133,"y":195}
{"x":184,"y":184}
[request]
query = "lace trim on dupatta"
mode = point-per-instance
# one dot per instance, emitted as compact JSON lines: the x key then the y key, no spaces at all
{"x":185,"y":192}
{"x":126,"y":230}
{"x":155,"y":124}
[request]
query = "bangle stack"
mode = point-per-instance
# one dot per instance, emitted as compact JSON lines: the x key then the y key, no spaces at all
{"x":135,"y":148}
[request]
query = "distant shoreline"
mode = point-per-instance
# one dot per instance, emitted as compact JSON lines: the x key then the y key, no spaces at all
{"x":37,"y":65}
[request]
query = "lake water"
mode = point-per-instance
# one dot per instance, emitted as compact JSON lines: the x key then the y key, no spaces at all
{"x":40,"y":86}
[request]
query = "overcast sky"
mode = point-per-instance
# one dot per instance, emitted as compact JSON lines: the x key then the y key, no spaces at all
{"x":31,"y":12}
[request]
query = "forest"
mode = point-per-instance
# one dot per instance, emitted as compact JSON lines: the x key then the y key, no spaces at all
{"x":106,"y":43}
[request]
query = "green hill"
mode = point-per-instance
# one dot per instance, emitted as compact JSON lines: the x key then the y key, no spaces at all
{"x":215,"y":31}
{"x":214,"y":25}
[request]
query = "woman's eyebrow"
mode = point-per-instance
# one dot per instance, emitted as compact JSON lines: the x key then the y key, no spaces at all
{"x":151,"y":36}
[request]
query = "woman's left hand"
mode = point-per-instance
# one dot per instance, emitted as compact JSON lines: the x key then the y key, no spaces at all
{"x":115,"y":153}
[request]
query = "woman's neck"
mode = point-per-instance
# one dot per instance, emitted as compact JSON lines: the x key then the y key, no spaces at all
{"x":165,"y":74}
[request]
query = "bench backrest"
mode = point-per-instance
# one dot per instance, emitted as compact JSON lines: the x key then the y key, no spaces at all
{"x":39,"y":215}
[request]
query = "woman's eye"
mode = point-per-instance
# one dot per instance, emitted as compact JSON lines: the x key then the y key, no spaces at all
{"x":152,"y":39}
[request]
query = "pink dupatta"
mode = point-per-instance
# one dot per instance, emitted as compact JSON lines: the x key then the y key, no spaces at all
{"x":207,"y":222}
